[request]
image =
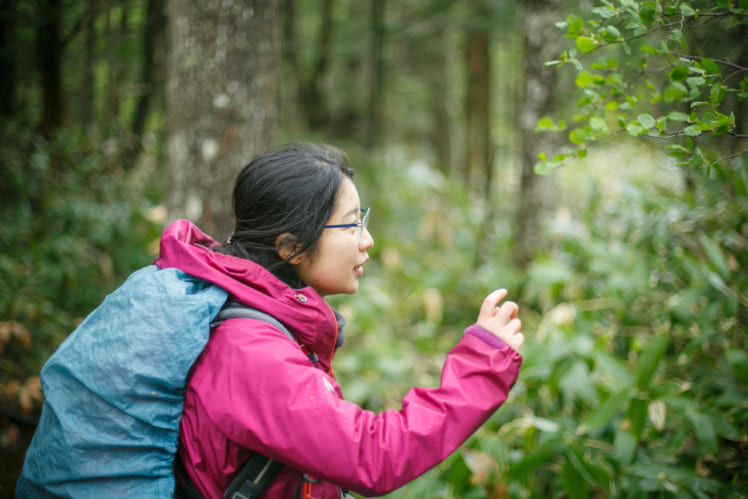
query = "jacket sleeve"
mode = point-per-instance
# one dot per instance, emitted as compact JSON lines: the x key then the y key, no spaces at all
{"x":264,"y":394}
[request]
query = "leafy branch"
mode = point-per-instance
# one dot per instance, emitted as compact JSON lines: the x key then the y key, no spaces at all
{"x":686,"y":98}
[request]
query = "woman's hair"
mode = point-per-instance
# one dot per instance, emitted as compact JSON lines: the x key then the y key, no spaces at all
{"x":292,"y":190}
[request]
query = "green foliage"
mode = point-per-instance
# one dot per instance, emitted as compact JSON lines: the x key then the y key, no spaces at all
{"x":634,"y":378}
{"x":72,"y":226}
{"x":656,"y":76}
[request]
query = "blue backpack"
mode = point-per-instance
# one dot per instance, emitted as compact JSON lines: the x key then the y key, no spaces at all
{"x":114,"y":392}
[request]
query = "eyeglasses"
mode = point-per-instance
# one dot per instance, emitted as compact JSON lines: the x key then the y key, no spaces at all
{"x":361,"y":225}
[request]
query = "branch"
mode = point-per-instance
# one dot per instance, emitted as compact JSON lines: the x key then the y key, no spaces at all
{"x":680,"y":22}
{"x":729,"y":156}
{"x":719,"y":61}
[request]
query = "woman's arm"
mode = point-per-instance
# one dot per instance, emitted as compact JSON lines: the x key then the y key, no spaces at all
{"x":264,"y":394}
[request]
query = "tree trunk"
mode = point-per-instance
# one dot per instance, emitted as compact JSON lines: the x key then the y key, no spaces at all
{"x":478,"y":163}
{"x":152,"y":77}
{"x":313,"y":92}
{"x":437,"y":74}
{"x":8,"y":23}
{"x":50,"y":49}
{"x":88,"y":93}
{"x":115,"y":69}
{"x":290,"y":95}
{"x":540,"y":85}
{"x":375,"y":104}
{"x":221,"y":102}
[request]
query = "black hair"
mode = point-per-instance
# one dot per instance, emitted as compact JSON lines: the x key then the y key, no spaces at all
{"x":292,"y":190}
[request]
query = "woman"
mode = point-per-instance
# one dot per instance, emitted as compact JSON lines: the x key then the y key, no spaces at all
{"x":300,"y":236}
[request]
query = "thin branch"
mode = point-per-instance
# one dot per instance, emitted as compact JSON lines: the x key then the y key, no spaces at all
{"x":729,"y":156}
{"x":718,"y":61}
{"x":680,"y":22}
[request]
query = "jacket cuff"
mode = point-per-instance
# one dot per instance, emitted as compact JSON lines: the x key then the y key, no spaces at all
{"x":487,"y":336}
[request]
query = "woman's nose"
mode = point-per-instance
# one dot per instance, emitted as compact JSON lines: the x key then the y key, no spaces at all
{"x":367,"y":241}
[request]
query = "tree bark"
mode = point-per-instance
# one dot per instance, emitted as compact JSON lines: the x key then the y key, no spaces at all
{"x":478,"y":162}
{"x":8,"y":63}
{"x":88,"y":93}
{"x":152,"y":77}
{"x":50,"y":50}
{"x":536,"y":193}
{"x":221,"y":102}
{"x":441,"y":137}
{"x":375,"y":101}
{"x":313,"y":92}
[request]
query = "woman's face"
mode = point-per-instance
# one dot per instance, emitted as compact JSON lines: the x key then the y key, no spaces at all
{"x":337,"y":262}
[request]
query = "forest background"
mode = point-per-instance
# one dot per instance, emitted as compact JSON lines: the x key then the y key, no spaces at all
{"x":588,"y":156}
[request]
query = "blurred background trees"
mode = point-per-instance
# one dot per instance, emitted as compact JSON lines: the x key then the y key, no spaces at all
{"x":628,"y":255}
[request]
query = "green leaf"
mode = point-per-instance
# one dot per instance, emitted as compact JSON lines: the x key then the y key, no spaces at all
{"x":704,"y":430}
{"x":586,"y":44}
{"x":710,"y":66}
{"x":585,"y":78}
{"x":611,"y":34}
{"x":738,"y":359}
{"x":603,"y":414}
{"x":716,"y":281}
{"x":545,"y":124}
{"x":695,"y":81}
{"x":676,"y":116}
{"x":714,"y":254}
{"x":540,"y":456}
{"x":574,"y":485}
{"x":678,"y":73}
{"x":542,"y":168}
{"x":604,"y":12}
{"x":650,"y":358}
{"x":692,"y":131}
{"x":676,"y":35}
{"x":576,"y":25}
{"x":611,"y":105}
{"x":678,"y":152}
{"x":577,"y":136}
{"x":598,"y":126}
{"x":716,"y":94}
{"x":647,"y":12}
{"x":635,"y":129}
{"x":687,"y":10}
{"x":636,"y":416}
{"x":624,"y":446}
{"x":676,"y":91}
{"x":646,"y":120}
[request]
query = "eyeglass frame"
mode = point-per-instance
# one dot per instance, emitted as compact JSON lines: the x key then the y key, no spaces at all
{"x":365,"y":212}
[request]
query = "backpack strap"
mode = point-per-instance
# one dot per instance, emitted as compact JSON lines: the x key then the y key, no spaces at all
{"x":234,"y":310}
{"x":258,"y":471}
{"x":253,"y":477}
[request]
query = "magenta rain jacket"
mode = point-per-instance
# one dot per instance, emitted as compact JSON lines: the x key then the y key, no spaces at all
{"x":254,"y":389}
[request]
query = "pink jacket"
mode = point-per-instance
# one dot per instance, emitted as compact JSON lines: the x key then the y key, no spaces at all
{"x":254,"y":389}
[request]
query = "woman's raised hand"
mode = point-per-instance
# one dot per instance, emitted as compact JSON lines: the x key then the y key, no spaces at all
{"x":501,"y":320}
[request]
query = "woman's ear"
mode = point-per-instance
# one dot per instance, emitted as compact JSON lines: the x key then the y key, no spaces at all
{"x":287,"y":247}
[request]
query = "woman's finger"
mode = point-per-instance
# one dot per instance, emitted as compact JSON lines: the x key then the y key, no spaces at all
{"x":491,"y":301}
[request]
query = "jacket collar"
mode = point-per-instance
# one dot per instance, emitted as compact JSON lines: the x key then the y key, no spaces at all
{"x":304,"y":312}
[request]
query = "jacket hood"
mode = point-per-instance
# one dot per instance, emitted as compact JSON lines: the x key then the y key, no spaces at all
{"x":304,"y":312}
